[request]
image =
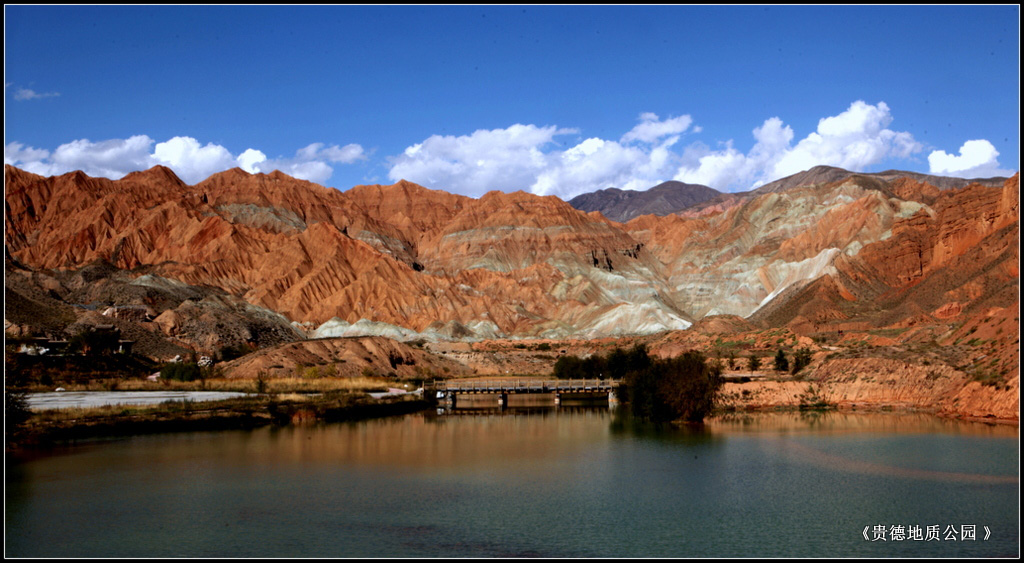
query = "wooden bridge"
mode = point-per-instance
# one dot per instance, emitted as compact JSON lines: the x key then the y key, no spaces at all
{"x":502,"y":389}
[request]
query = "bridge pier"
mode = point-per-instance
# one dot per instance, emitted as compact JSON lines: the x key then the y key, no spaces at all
{"x":526,"y":393}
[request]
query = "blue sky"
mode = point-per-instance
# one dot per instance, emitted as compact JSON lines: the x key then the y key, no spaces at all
{"x":553,"y":100}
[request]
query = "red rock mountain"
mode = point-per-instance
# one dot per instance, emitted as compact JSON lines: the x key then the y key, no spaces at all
{"x":401,"y":255}
{"x":387,"y":259}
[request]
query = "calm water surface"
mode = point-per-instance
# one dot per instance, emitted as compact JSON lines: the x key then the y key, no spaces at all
{"x":568,"y":483}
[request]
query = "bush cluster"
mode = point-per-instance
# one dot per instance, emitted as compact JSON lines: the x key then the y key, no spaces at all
{"x":613,"y":366}
{"x":181,"y":371}
{"x":680,"y":388}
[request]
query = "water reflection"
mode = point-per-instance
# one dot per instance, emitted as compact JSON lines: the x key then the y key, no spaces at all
{"x":624,"y":425}
{"x":567,"y":482}
{"x":836,"y":422}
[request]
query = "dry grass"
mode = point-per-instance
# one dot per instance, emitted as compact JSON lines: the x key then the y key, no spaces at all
{"x":325,"y":384}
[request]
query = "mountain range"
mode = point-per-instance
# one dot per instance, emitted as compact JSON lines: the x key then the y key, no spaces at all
{"x":264,"y":258}
{"x":693,"y":199}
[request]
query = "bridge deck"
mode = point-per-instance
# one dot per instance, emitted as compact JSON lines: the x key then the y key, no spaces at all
{"x":528,"y":386}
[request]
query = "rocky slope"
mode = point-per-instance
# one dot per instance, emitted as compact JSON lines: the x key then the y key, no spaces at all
{"x":371,"y":356}
{"x":875,"y":383}
{"x":400,"y":255}
{"x":830,"y":174}
{"x":865,"y":250}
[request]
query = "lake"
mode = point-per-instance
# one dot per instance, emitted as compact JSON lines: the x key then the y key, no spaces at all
{"x":572,"y":482}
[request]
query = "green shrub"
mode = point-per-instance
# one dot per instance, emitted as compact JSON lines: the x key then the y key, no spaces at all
{"x":231,"y":352}
{"x":781,"y":363}
{"x":801,"y":359}
{"x":180,"y":371}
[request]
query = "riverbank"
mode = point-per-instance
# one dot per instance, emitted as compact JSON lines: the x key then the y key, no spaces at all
{"x":876,"y":384}
{"x":48,"y":428}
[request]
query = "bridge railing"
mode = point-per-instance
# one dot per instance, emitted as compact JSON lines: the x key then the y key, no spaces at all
{"x":526,"y":385}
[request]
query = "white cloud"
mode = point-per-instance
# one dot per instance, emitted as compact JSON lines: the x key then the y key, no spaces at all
{"x":499,"y":159}
{"x":977,"y":159}
{"x":249,"y":159}
{"x":22,"y":94}
{"x":519,"y":158}
{"x":597,"y":164}
{"x":110,"y":159}
{"x":308,"y":163}
{"x":192,"y":161}
{"x":17,"y":152}
{"x":650,"y":129}
{"x":345,"y":155}
{"x":522,"y":157}
{"x":855,"y":139}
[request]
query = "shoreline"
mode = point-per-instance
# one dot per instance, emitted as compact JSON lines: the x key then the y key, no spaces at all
{"x":48,"y":429}
{"x":866,"y":408}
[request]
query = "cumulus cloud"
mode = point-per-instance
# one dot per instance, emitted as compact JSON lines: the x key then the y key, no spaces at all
{"x":309,"y":162}
{"x":977,"y":159}
{"x":521,"y":157}
{"x":500,"y":159}
{"x":855,"y":139}
{"x":190,"y":159}
{"x":526,"y":157}
{"x":596,"y":164}
{"x":249,"y":159}
{"x":22,"y":94}
{"x":18,"y":153}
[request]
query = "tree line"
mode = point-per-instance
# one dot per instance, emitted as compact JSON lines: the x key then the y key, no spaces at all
{"x":660,"y":390}
{"x":680,"y":388}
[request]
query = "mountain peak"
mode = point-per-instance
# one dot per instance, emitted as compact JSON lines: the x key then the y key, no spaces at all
{"x":158,"y":173}
{"x":664,"y":199}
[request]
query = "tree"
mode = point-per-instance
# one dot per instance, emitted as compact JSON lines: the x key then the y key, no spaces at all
{"x":801,"y":359}
{"x":689,"y":385}
{"x":681,"y":388}
{"x":753,"y":363}
{"x":732,"y":360}
{"x":569,"y":367}
{"x":781,"y":363}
